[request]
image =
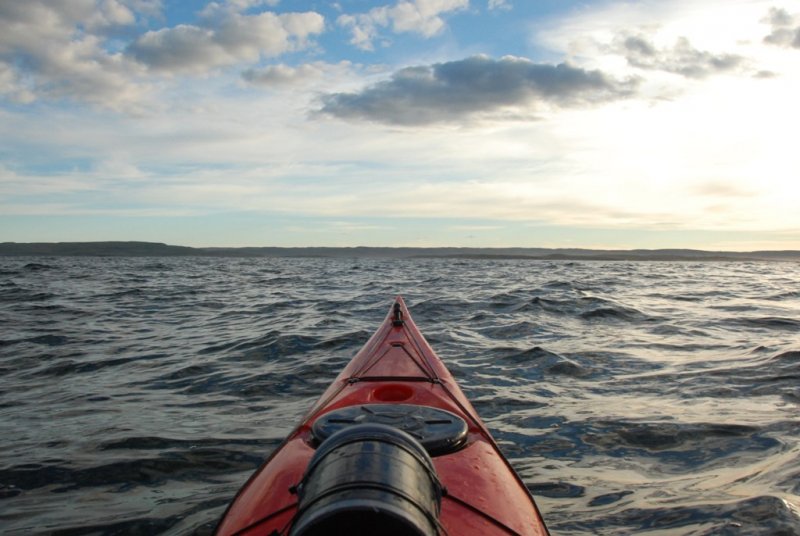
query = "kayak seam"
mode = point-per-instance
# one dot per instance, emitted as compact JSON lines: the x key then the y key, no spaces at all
{"x":483,"y":514}
{"x":421,"y":351}
{"x":421,"y":364}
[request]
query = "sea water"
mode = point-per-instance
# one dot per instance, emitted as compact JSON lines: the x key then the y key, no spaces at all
{"x":138,"y":394}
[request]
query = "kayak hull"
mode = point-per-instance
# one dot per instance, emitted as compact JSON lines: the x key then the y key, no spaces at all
{"x":483,"y":495}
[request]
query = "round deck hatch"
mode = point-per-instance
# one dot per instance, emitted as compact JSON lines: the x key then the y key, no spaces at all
{"x":439,"y":431}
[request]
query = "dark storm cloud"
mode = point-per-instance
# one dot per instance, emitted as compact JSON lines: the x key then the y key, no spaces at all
{"x":682,"y":58}
{"x":457,"y":90}
{"x":785,"y":29}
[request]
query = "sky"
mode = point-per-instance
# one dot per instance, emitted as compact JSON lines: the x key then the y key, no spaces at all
{"x":540,"y":123}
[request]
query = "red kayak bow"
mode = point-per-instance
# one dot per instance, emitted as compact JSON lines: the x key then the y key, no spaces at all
{"x":393,"y":447}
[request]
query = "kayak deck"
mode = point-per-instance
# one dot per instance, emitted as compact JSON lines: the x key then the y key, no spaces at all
{"x":397,"y":368}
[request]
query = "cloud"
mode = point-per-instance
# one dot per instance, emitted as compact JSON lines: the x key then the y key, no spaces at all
{"x":719,"y":189}
{"x":146,"y":8}
{"x":682,"y":58}
{"x":282,"y":75}
{"x":499,"y":4}
{"x":418,"y":16}
{"x":12,"y":87}
{"x":54,"y":49}
{"x":227,"y":7}
{"x":457,"y":90}
{"x":109,"y":14}
{"x":785,"y":29}
{"x":71,"y":49}
{"x":233,"y":39}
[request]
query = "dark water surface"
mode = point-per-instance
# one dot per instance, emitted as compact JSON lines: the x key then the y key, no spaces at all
{"x":137,"y":395}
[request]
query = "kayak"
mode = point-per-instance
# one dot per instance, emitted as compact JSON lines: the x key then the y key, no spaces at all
{"x":392,"y":447}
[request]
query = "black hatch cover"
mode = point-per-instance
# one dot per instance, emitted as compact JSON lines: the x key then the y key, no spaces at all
{"x":439,"y":431}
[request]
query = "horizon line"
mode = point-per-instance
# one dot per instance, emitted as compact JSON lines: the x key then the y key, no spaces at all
{"x":145,"y":248}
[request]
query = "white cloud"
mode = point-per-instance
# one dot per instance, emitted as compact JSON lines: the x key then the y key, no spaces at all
{"x":228,"y":7}
{"x":423,"y":17}
{"x":682,"y":58}
{"x":586,"y":34}
{"x":658,"y":40}
{"x":307,"y":74}
{"x":146,"y":8}
{"x":12,"y":87}
{"x":785,"y":28}
{"x":500,"y":4}
{"x":67,"y":49}
{"x":109,"y":14}
{"x":55,"y":50}
{"x":233,"y":39}
{"x":282,"y":75}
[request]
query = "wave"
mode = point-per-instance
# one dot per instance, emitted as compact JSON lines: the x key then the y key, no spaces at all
{"x":38,"y":267}
{"x":631,"y":397}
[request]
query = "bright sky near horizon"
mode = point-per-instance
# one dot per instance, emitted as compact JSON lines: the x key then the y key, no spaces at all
{"x":553,"y":123}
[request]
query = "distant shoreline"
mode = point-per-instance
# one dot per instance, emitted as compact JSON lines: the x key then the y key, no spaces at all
{"x":154,"y":249}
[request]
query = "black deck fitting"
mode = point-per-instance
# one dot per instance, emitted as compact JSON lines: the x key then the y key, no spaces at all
{"x":398,"y":316}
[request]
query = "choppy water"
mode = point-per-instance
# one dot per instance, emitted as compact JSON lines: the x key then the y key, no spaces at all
{"x":137,"y":395}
